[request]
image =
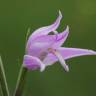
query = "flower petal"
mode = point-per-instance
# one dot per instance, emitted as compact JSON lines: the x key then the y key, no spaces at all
{"x":75,"y":52}
{"x":67,"y":53}
{"x":40,"y":44}
{"x":47,"y":29}
{"x":61,"y":37}
{"x":50,"y":59}
{"x":33,"y":63}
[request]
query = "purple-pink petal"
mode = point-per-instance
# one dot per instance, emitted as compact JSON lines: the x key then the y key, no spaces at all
{"x":50,"y":59}
{"x":40,"y":44}
{"x":67,"y":53}
{"x":61,"y":38}
{"x":33,"y":63}
{"x":47,"y":29}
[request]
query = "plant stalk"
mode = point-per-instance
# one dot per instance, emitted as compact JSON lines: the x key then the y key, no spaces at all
{"x":3,"y":82}
{"x":21,"y":81}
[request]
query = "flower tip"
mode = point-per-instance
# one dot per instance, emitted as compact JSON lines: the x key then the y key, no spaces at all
{"x":66,"y":68}
{"x":94,"y":52}
{"x":42,"y":68}
{"x":60,"y":14}
{"x":67,"y":28}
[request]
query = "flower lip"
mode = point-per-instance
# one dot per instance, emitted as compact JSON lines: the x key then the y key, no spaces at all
{"x":60,"y":58}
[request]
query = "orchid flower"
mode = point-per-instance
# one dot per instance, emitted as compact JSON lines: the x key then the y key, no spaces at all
{"x":43,"y":49}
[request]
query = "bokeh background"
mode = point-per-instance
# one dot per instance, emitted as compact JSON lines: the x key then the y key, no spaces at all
{"x":16,"y":16}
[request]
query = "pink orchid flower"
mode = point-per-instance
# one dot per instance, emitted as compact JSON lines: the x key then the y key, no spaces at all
{"x":43,"y":49}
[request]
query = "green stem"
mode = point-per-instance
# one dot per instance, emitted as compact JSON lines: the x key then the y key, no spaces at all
{"x":3,"y":82}
{"x":21,"y":82}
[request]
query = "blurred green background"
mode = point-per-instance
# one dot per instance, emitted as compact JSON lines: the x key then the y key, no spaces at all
{"x":16,"y":16}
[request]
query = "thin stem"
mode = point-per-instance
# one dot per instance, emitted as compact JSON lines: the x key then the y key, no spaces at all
{"x":21,"y":82}
{"x":22,"y":75}
{"x":3,"y":82}
{"x":27,"y":35}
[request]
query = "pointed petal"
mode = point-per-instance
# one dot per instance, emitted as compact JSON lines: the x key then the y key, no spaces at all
{"x":33,"y":63}
{"x":67,"y":53}
{"x":75,"y":52}
{"x":47,"y":29}
{"x":61,"y":37}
